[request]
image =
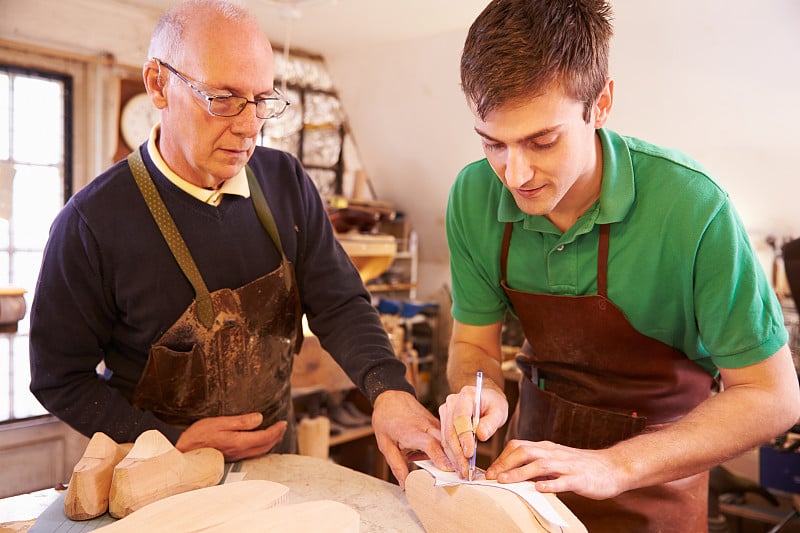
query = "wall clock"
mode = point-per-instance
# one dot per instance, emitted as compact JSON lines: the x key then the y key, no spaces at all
{"x":138,"y":117}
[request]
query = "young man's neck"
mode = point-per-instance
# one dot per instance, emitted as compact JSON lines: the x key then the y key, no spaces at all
{"x":582,"y":196}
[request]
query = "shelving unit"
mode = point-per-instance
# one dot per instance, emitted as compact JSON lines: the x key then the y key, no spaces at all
{"x":315,"y":370}
{"x":412,"y":325}
{"x":400,"y":280}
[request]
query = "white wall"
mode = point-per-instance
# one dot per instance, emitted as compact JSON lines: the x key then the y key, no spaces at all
{"x":717,"y":78}
{"x":414,"y":133}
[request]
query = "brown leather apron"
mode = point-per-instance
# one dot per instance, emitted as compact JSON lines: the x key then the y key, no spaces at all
{"x":591,"y":380}
{"x":231,"y":351}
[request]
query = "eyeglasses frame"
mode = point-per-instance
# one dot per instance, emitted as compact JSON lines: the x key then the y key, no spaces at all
{"x":208,"y":95}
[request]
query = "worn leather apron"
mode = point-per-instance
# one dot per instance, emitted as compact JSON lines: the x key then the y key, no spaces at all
{"x":231,"y":351}
{"x":591,"y":380}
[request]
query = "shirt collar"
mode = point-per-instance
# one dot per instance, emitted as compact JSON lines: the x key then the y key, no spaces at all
{"x":236,"y":185}
{"x":617,"y":192}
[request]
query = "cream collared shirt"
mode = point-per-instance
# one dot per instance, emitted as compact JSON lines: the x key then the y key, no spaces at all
{"x":236,"y":185}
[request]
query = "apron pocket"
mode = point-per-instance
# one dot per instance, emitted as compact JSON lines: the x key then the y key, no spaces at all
{"x":173,"y":382}
{"x":546,"y":416}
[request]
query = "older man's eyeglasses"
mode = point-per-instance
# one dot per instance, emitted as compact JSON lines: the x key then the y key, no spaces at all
{"x":224,"y":104}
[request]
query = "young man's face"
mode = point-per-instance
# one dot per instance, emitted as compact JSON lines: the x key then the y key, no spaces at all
{"x":545,"y":153}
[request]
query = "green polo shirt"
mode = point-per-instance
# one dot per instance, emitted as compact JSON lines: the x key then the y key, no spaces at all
{"x":680,"y":267}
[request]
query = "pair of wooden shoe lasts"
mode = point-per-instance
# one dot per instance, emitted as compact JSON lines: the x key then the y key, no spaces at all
{"x":121,"y":478}
{"x":174,"y":492}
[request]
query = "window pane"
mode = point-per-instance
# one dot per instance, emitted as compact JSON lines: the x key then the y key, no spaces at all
{"x":37,"y":200}
{"x":32,"y":178}
{"x":4,"y":134}
{"x":3,"y":234}
{"x":5,"y":379}
{"x":25,"y":404}
{"x":38,"y":120}
{"x":4,"y":269}
{"x":25,"y":269}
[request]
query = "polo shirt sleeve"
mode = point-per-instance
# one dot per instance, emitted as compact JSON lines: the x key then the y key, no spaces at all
{"x":738,"y":315}
{"x":474,"y":237}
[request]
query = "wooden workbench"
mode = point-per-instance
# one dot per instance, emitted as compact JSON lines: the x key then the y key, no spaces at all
{"x":383,"y":506}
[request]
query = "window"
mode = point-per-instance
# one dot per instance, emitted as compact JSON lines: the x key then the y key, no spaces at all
{"x":35,"y":181}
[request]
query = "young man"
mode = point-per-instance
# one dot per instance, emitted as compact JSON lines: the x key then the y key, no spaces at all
{"x":186,"y":270}
{"x":632,"y":277}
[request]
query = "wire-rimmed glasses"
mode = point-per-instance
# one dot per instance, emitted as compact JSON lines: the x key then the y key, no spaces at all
{"x":225,"y":104}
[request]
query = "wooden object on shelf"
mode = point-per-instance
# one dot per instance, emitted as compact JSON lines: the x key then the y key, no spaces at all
{"x":351,"y":434}
{"x":89,"y":486}
{"x":313,"y":436}
{"x":12,"y":308}
{"x":395,"y":331}
{"x":315,"y":367}
{"x":391,"y":287}
{"x":154,"y":470}
{"x":400,"y":279}
{"x":371,"y":254}
{"x":468,"y":507}
{"x":203,"y":508}
{"x":410,"y":357}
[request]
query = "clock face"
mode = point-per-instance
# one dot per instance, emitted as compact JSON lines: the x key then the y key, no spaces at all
{"x":138,"y":117}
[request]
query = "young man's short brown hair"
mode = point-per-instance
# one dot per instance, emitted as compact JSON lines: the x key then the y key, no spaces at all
{"x":517,"y":48}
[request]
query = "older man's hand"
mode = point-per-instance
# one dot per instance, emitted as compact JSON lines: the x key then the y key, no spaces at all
{"x":403,"y":427}
{"x":235,"y":436}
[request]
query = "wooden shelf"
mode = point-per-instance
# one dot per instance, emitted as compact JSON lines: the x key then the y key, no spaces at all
{"x":350,"y":434}
{"x":391,"y":287}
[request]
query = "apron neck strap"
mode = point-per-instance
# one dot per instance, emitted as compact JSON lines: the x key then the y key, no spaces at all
{"x":205,"y":308}
{"x":268,"y":221}
{"x":602,"y":257}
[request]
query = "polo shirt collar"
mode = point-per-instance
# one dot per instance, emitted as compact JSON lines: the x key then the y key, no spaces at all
{"x":236,"y":185}
{"x":617,"y":191}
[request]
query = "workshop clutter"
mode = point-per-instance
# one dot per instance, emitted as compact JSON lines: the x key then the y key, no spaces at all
{"x":337,"y":406}
{"x":410,"y":326}
{"x":323,"y":414}
{"x":403,"y":349}
{"x":779,"y":462}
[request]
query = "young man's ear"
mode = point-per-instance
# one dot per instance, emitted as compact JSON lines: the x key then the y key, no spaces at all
{"x":602,"y":107}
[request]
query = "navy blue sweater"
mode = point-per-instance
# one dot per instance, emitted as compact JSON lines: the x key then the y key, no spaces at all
{"x":109,"y":288}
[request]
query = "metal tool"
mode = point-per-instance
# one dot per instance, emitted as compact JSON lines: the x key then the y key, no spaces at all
{"x":476,"y":415}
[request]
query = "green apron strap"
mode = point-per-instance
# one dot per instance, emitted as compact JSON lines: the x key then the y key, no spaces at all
{"x":205,"y":308}
{"x":268,"y":221}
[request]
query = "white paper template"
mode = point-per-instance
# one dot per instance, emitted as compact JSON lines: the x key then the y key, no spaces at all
{"x":524,"y":490}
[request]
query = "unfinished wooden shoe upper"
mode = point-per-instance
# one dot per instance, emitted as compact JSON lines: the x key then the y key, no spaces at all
{"x":154,"y":469}
{"x":87,"y":493}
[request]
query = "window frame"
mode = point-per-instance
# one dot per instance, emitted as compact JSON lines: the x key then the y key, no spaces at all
{"x":65,"y":167}
{"x":68,"y":106}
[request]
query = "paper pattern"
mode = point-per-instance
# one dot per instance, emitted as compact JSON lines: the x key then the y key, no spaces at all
{"x":525,"y":490}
